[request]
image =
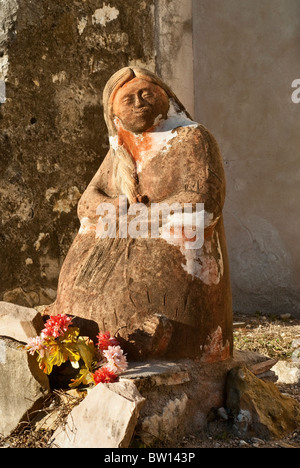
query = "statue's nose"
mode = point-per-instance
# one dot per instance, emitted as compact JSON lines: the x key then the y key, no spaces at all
{"x":139,"y":101}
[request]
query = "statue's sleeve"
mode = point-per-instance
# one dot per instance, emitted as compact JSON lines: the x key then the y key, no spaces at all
{"x":212,"y":187}
{"x":203,"y":178}
{"x":99,"y":190}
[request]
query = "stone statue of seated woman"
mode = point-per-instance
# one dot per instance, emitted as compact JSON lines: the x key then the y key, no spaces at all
{"x":160,"y":291}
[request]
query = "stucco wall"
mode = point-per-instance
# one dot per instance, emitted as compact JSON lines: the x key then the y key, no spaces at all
{"x":247,"y":54}
{"x":174,"y":48}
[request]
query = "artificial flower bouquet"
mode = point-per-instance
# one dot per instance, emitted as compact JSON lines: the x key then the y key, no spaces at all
{"x":59,"y":342}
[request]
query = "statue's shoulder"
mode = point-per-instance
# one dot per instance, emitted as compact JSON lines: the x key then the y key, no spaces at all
{"x":196,"y":133}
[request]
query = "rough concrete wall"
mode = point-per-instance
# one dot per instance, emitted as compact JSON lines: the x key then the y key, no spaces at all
{"x":246,"y":57}
{"x":56,"y":57}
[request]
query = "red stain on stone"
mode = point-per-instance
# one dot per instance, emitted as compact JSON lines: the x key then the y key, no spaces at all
{"x":214,"y":351}
{"x":135,"y":144}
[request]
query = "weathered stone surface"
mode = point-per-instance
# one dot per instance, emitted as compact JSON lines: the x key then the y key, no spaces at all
{"x":156,"y":373}
{"x":165,"y":425}
{"x":56,"y":58}
{"x":287,"y":372}
{"x":105,"y":419}
{"x":178,"y":399}
{"x":258,"y":407}
{"x":23,"y":386}
{"x":19,"y":323}
{"x":163,"y":384}
{"x":184,"y":390}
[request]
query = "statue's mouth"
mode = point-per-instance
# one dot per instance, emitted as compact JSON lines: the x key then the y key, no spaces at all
{"x":143,"y":111}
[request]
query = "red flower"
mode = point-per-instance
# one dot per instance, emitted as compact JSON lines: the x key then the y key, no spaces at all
{"x":105,"y":340}
{"x":57,"y":325}
{"x":104,"y":375}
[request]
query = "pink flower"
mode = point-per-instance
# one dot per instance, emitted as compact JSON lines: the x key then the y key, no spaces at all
{"x":116,"y":360}
{"x":36,"y":344}
{"x":105,"y":340}
{"x":57,"y":326}
{"x":104,"y":375}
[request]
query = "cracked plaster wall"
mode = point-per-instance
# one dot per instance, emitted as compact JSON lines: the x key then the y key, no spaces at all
{"x":246,"y":58}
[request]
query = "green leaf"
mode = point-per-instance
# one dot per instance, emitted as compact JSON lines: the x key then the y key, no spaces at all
{"x":87,"y":351}
{"x":84,"y":377}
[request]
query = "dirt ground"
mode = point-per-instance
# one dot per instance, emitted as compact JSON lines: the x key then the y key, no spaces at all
{"x":273,"y":337}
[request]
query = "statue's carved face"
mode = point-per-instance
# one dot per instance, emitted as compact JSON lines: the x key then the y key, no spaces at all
{"x":138,"y":103}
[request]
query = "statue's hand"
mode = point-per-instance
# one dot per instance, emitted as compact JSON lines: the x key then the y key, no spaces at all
{"x":142,"y":199}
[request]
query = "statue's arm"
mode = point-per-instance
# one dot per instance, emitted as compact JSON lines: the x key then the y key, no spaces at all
{"x":96,"y":192}
{"x":213,"y":187}
{"x":205,"y":183}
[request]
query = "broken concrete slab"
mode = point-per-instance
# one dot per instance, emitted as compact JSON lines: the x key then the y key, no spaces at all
{"x":23,"y":386}
{"x":156,"y":373}
{"x":18,"y":322}
{"x":258,"y":407}
{"x":106,"y":418}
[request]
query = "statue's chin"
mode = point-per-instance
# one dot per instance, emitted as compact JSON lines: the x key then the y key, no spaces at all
{"x":140,"y":127}
{"x":143,"y":124}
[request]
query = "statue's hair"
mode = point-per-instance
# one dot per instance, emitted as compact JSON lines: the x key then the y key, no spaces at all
{"x":119,"y":79}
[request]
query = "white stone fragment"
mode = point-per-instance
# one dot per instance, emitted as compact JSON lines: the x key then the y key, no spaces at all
{"x":23,"y":386}
{"x":19,"y":323}
{"x":106,"y":418}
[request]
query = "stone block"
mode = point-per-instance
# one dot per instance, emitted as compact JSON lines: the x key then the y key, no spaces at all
{"x":180,"y":394}
{"x":18,"y":322}
{"x":156,"y":373}
{"x":287,"y":372}
{"x":23,"y":386}
{"x":258,"y":407}
{"x":165,"y":424}
{"x":106,"y":418}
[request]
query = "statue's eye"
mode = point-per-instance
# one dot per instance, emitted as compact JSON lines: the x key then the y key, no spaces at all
{"x":128,"y":100}
{"x":147,"y":95}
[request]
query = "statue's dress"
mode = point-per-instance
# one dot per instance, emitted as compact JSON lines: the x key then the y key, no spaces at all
{"x":124,"y":284}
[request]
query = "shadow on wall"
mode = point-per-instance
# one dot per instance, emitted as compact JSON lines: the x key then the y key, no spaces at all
{"x":261,"y":267}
